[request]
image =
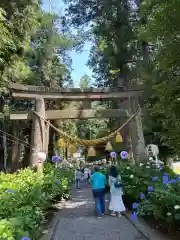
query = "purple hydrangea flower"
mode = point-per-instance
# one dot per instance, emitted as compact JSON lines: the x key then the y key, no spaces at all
{"x":134,"y":205}
{"x":173,"y":181}
{"x":55,"y":158}
{"x":10,"y":191}
{"x":150,"y":189}
{"x":142,"y":196}
{"x":134,"y":216}
{"x":165,"y":179}
{"x":155,"y":178}
{"x":154,"y":164}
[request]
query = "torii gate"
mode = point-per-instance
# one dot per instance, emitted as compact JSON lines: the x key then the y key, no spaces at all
{"x":128,"y":97}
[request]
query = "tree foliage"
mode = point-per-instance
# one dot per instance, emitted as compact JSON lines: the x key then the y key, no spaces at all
{"x":162,"y":31}
{"x":137,"y":41}
{"x":111,"y":33}
{"x":33,"y":50}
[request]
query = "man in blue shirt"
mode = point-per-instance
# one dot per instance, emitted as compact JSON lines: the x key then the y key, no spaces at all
{"x":98,"y":183}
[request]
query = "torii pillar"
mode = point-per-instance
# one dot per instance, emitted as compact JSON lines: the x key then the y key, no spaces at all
{"x":38,"y":135}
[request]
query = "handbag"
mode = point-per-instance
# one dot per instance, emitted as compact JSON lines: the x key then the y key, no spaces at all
{"x":107,"y":188}
{"x":118,"y":184}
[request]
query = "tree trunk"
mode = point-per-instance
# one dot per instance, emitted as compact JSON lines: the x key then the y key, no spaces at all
{"x":141,"y":147}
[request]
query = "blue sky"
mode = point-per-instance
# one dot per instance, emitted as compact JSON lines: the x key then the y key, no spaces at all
{"x":79,"y":60}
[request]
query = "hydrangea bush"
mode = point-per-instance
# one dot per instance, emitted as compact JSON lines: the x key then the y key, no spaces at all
{"x":154,"y":191}
{"x":24,"y":197}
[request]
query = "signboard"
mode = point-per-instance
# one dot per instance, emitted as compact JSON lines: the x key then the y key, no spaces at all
{"x":152,"y":150}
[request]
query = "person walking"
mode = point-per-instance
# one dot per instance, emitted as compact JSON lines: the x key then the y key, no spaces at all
{"x":98,"y":183}
{"x":116,"y":205}
{"x":86,"y":175}
{"x":89,"y":175}
{"x":78,"y":177}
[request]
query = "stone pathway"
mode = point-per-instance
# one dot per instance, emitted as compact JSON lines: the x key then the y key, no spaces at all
{"x":76,"y":221}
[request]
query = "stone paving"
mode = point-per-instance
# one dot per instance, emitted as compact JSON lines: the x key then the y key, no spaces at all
{"x":76,"y":221}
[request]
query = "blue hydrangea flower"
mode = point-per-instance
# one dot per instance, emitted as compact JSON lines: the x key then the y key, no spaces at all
{"x":153,"y":164}
{"x":150,"y":189}
{"x":25,"y":238}
{"x":134,"y":216}
{"x":173,"y":181}
{"x":165,"y":174}
{"x":134,"y":205}
{"x":55,"y":159}
{"x":155,"y":178}
{"x":142,"y":196}
{"x":57,"y":181}
{"x":165,"y":179}
{"x":10,"y":191}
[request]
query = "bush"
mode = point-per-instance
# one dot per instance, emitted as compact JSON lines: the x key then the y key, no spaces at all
{"x":24,"y":197}
{"x":161,"y":202}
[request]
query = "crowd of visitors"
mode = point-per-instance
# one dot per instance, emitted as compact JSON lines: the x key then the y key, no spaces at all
{"x":100,"y":186}
{"x":82,"y":175}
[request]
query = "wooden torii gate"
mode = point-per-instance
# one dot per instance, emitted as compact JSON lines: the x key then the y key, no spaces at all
{"x":40,"y":132}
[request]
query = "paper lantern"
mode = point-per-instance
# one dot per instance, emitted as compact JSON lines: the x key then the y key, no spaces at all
{"x":41,"y":156}
{"x":91,"y":152}
{"x":124,"y":155}
{"x":108,"y":146}
{"x":55,"y":159}
{"x":113,"y":154}
{"x":60,"y":143}
{"x":103,"y":160}
{"x":119,"y":138}
{"x":72,"y":149}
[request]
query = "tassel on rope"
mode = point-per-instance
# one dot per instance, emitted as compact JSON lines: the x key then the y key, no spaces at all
{"x":72,"y":149}
{"x":119,"y":138}
{"x":60,"y":143}
{"x":91,"y":152}
{"x":108,"y":146}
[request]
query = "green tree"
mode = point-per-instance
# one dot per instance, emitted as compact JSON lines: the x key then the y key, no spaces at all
{"x":112,"y":35}
{"x":33,"y":50}
{"x":48,"y":57}
{"x":162,"y":75}
{"x":85,"y":82}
